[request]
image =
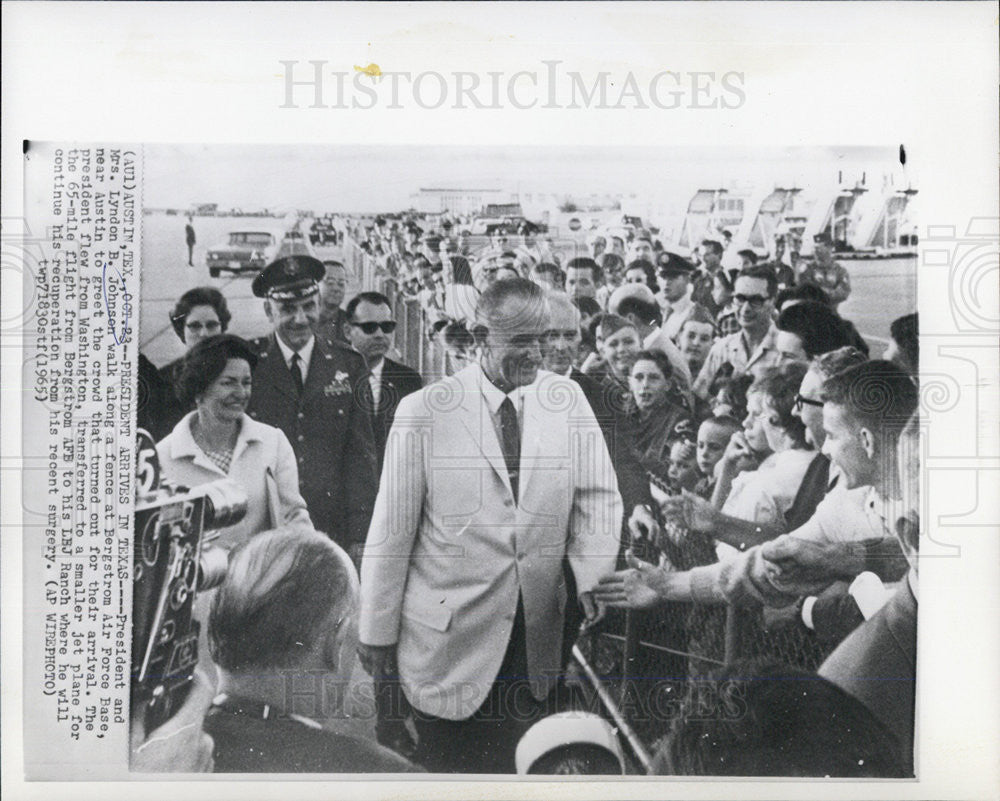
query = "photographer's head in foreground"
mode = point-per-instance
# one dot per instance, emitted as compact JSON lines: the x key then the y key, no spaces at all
{"x":283,"y":632}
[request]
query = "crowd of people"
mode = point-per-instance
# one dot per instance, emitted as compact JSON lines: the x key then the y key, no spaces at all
{"x":634,"y":427}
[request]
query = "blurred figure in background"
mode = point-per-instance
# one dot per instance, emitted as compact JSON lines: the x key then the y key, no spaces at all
{"x":330,"y":325}
{"x":829,"y":275}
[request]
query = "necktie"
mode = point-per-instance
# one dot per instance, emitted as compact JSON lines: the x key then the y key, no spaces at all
{"x":511,"y":442}
{"x":297,"y":372}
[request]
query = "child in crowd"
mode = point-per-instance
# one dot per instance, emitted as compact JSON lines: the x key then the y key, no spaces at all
{"x":713,"y":437}
{"x":683,"y":470}
{"x":729,"y":396}
{"x":696,"y":337}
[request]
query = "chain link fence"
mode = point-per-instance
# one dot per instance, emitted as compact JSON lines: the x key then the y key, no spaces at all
{"x":638,"y":666}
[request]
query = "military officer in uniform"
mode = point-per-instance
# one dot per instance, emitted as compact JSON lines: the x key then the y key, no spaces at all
{"x":306,"y":387}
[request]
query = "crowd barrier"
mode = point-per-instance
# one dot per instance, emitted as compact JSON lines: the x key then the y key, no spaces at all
{"x":636,"y":665}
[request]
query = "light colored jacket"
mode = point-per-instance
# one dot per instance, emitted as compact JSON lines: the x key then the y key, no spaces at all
{"x":449,"y":550}
{"x":258,"y":448}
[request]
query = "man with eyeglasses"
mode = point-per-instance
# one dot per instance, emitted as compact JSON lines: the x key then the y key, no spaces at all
{"x":306,"y":387}
{"x":752,"y":347}
{"x":369,"y":329}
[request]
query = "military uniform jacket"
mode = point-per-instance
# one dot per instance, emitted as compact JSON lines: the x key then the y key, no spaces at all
{"x":329,"y":430}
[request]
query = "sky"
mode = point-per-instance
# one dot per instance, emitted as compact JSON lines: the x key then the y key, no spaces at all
{"x":370,"y":178}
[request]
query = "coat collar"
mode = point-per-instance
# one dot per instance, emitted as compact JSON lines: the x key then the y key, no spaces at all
{"x":183,"y":446}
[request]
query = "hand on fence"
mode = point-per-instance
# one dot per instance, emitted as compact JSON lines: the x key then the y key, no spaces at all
{"x":642,"y":525}
{"x":638,"y":587}
{"x":690,"y":510}
{"x":593,"y":610}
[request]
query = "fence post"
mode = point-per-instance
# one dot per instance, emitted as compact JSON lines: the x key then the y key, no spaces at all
{"x":732,"y":635}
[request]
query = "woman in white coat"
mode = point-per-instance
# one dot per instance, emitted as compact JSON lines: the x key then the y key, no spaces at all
{"x":219,"y":440}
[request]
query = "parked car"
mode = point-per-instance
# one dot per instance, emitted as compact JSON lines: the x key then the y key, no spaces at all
{"x":243,"y":251}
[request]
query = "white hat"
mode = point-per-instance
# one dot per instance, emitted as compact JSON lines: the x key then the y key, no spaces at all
{"x":566,"y":728}
{"x":640,"y":291}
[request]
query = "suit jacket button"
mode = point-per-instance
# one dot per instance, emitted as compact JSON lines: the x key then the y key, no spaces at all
{"x":520,"y":557}
{"x":340,"y":411}
{"x":301,"y":415}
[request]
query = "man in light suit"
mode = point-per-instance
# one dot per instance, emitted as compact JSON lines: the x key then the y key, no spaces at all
{"x":491,"y":477}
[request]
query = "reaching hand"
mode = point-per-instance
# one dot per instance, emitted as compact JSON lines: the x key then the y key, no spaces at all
{"x":692,"y":511}
{"x":642,"y":525}
{"x":593,"y":609}
{"x":797,"y":561}
{"x":634,"y":588}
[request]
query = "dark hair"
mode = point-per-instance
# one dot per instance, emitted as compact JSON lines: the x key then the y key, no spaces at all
{"x":659,"y":358}
{"x":588,"y":306}
{"x":457,"y":335}
{"x":643,"y":310}
{"x":829,"y":364}
{"x":763,"y":273}
{"x":461,"y":270}
{"x":770,"y":719}
{"x":905,"y":332}
{"x":199,"y":296}
{"x":374,"y":298}
{"x":877,"y":394}
{"x":731,"y":424}
{"x":611,"y":261}
{"x":806,"y":291}
{"x":699,"y":314}
{"x":781,"y":386}
{"x":280,"y":589}
{"x":206,"y":361}
{"x":577,"y":759}
{"x":548,"y":268}
{"x":649,"y":270}
{"x":437,"y":327}
{"x":586,"y":263}
{"x":715,"y":247}
{"x":734,"y":387}
{"x":817,"y":325}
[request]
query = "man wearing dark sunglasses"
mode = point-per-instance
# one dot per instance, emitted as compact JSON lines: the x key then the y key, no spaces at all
{"x":369,"y":330}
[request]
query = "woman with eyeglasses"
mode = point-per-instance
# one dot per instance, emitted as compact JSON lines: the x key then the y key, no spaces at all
{"x":200,"y":313}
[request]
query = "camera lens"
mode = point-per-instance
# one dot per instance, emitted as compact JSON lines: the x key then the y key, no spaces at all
{"x":225,"y":504}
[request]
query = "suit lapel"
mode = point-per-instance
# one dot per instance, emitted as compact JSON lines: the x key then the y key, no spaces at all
{"x":478,"y":422}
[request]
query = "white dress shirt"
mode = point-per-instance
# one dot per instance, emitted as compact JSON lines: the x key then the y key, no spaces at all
{"x":375,"y":381}
{"x":305,"y":354}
